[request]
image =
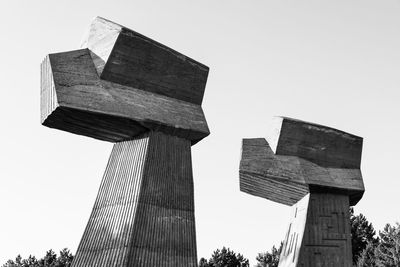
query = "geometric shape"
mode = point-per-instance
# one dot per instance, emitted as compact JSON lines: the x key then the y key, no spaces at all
{"x":126,"y":57}
{"x":262,"y":175}
{"x":287,"y":179}
{"x":322,"y":145}
{"x":74,"y":99}
{"x":319,"y":233}
{"x":144,"y":211}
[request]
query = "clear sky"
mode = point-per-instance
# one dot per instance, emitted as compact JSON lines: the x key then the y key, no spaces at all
{"x":335,"y":63}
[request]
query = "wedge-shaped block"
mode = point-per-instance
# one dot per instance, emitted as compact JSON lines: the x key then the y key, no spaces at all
{"x":75,"y":99}
{"x":287,"y":179}
{"x":322,"y":145}
{"x":129,"y":58}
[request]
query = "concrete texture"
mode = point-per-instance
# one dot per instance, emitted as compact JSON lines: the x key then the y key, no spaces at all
{"x":144,"y":211}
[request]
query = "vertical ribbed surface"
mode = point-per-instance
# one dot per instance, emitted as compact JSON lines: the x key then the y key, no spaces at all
{"x":164,"y":233}
{"x":144,"y":211}
{"x":106,"y":239}
{"x":48,"y":97}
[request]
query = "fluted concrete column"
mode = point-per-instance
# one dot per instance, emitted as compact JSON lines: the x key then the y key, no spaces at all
{"x":144,"y":211}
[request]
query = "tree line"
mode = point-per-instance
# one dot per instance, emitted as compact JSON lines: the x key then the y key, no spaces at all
{"x":369,"y":250}
{"x":50,"y":259}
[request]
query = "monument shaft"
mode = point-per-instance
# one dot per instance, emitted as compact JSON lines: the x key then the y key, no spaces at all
{"x":319,"y":232}
{"x":144,"y":211}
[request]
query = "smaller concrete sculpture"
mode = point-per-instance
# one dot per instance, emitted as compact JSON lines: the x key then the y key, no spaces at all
{"x":316,"y":170}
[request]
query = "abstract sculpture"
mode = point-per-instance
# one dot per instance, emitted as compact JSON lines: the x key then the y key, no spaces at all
{"x":316,"y":170}
{"x":125,"y":88}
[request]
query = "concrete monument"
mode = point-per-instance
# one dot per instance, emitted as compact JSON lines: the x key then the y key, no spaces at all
{"x":316,"y":170}
{"x":125,"y":88}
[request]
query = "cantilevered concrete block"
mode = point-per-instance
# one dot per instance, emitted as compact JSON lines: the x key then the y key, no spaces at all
{"x":319,"y":144}
{"x":304,"y":157}
{"x":76,"y":100}
{"x":316,"y":170}
{"x":123,"y":56}
{"x":126,"y":88}
{"x":121,"y":84}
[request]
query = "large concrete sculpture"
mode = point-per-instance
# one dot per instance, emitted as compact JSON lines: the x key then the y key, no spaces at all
{"x":316,"y":170}
{"x":125,"y":88}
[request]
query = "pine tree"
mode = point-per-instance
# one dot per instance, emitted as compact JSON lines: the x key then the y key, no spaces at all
{"x":269,"y":259}
{"x":49,"y":260}
{"x":367,"y":257}
{"x":387,"y":252}
{"x":362,"y":233}
{"x":225,"y":258}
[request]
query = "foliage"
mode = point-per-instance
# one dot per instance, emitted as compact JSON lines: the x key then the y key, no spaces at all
{"x":225,"y":258}
{"x":203,"y":263}
{"x":387,"y":252}
{"x":49,"y":260}
{"x":269,"y":259}
{"x":367,"y":257}
{"x":362,"y":233}
{"x":363,"y":244}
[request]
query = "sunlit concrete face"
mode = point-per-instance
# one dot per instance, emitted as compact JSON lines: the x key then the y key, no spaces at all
{"x":314,"y":169}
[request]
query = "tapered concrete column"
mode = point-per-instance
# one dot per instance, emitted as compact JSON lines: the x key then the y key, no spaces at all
{"x":319,"y":232}
{"x":144,"y":211}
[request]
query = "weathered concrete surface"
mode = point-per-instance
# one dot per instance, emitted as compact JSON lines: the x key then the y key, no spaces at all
{"x":126,"y":57}
{"x":293,"y":170}
{"x":76,"y":100}
{"x":325,"y":146}
{"x":144,"y":211}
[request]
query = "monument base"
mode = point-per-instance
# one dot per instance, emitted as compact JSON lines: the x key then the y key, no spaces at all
{"x":319,"y":233}
{"x":144,"y":211}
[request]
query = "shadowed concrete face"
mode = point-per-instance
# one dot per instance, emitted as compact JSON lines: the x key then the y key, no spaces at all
{"x":126,"y":88}
{"x":314,"y":169}
{"x":319,"y":144}
{"x":126,"y":57}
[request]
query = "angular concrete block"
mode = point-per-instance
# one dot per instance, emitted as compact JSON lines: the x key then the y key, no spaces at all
{"x":301,"y":157}
{"x":287,"y":179}
{"x":126,"y":57}
{"x":74,"y":99}
{"x":325,"y":146}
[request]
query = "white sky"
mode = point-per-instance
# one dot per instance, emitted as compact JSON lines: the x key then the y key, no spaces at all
{"x":335,"y":63}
